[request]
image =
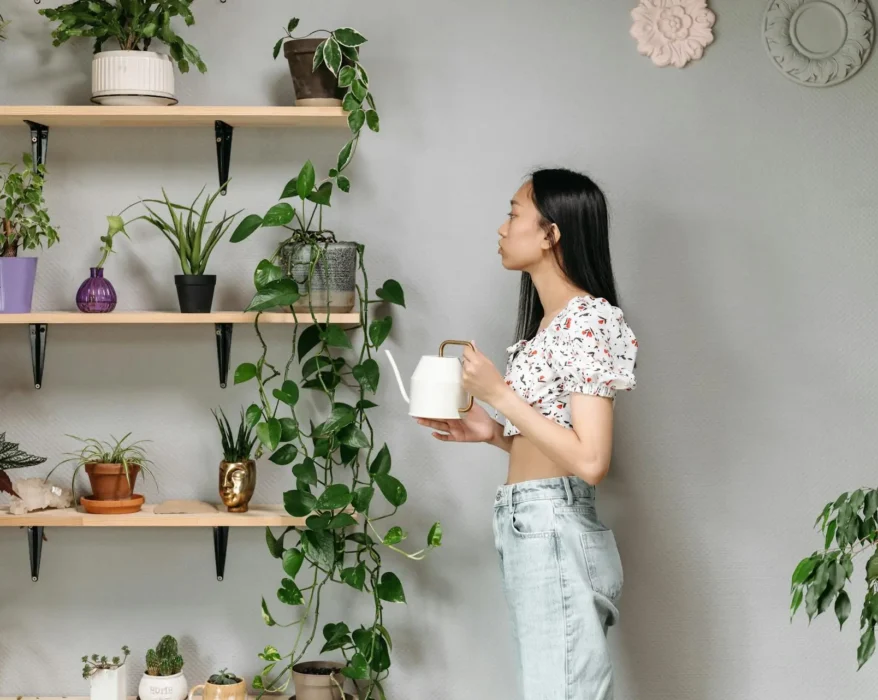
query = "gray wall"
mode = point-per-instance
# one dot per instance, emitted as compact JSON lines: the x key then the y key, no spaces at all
{"x":743,"y":227}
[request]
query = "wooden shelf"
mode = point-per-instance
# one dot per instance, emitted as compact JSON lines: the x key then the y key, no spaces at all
{"x":185,"y":116}
{"x":169,"y":317}
{"x":257,"y":516}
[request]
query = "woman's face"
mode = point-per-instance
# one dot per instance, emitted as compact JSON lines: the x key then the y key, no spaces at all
{"x":523,"y":241}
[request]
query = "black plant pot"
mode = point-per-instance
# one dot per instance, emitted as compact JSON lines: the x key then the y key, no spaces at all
{"x":195,"y":293}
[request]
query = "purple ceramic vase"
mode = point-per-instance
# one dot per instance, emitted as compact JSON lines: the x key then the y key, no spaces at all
{"x":96,"y":295}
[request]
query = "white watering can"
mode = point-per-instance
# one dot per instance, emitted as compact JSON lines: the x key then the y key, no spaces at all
{"x":436,"y":386}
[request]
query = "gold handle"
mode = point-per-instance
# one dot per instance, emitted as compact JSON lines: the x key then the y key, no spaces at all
{"x":467,"y":344}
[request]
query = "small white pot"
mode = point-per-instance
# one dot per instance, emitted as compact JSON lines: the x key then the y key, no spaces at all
{"x":163,"y":687}
{"x":132,"y":78}
{"x":110,"y":684}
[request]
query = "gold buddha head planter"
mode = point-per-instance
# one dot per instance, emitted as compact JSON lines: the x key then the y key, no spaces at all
{"x":237,"y":480}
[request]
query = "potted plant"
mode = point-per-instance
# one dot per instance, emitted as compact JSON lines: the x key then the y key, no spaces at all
{"x":11,"y":457}
{"x":163,"y":678}
{"x":112,"y":468}
{"x":97,"y":295}
{"x":24,"y":225}
{"x":322,"y":68}
{"x":108,"y":677}
{"x":132,"y":75}
{"x":237,"y":472}
{"x":318,"y":680}
{"x":185,"y":228}
{"x":221,"y":686}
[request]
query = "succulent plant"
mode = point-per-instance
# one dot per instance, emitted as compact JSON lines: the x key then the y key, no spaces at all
{"x":94,"y":663}
{"x":223,"y":678}
{"x":165,"y":659}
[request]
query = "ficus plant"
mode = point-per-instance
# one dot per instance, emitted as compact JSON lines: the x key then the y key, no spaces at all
{"x":851,"y":523}
{"x":24,"y":220}
{"x":133,"y":24}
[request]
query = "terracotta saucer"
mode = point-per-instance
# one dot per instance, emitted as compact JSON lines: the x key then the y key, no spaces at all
{"x":121,"y":507}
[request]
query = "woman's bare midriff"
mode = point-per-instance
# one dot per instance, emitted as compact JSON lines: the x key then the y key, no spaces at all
{"x":527,"y":463}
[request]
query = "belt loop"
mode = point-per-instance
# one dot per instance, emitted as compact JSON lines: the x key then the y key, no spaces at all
{"x":509,"y":493}
{"x":568,"y":490}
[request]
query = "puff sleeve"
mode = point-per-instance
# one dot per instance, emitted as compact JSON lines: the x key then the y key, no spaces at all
{"x":595,"y":352}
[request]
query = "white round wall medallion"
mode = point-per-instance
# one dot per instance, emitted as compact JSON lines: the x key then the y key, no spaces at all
{"x":819,"y":43}
{"x":672,"y":32}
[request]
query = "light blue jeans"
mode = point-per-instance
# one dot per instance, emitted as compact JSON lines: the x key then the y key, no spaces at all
{"x":563,"y":577}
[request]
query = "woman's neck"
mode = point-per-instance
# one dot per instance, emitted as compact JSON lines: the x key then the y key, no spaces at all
{"x":555,"y":291}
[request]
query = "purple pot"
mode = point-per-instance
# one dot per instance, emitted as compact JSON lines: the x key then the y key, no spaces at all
{"x":17,"y":277}
{"x":96,"y":295}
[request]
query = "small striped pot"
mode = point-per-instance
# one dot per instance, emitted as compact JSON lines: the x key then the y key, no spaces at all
{"x":132,"y":78}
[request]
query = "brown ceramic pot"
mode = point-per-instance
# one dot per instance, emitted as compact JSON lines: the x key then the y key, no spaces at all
{"x":109,"y":483}
{"x":317,"y":686}
{"x":313,"y":88}
{"x":209,"y":691}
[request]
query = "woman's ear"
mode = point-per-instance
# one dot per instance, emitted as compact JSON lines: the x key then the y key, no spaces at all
{"x":553,"y":236}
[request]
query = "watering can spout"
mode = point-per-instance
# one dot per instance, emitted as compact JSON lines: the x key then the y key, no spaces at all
{"x":398,"y":377}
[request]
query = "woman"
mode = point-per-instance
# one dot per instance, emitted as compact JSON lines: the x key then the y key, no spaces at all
{"x":561,"y":569}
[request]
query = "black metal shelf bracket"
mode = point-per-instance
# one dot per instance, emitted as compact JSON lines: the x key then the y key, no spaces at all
{"x":35,"y":549}
{"x":39,"y":143}
{"x":39,"y":333}
{"x":224,"y":134}
{"x":220,"y":545}
{"x":223,"y":351}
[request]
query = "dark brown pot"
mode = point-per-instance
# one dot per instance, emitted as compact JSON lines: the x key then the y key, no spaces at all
{"x":108,"y":481}
{"x":315,"y":88}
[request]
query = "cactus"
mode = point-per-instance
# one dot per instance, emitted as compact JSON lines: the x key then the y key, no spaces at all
{"x":165,"y":659}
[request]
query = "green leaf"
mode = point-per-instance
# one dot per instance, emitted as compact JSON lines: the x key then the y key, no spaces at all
{"x":355,"y":576}
{"x":359,"y":89}
{"x":358,"y":668}
{"x":395,"y":535}
{"x":367,"y":375}
{"x":253,"y":415}
{"x":332,"y":55}
{"x":270,"y":653}
{"x":352,"y":436}
{"x":356,"y":119}
{"x":842,"y":608}
{"x":349,"y":37}
{"x":266,"y":272}
{"x":309,"y":340}
{"x":305,"y":181}
{"x":362,"y":498}
{"x":434,"y":538}
{"x":291,"y":27}
{"x":871,"y":504}
{"x":346,"y":76}
{"x":289,"y":429}
{"x":361,"y":538}
{"x":342,"y":520}
{"x":392,"y":293}
{"x":306,"y":472}
{"x":277,"y":47}
{"x":365,"y":405}
{"x":291,"y":189}
{"x":841,"y":499}
{"x":318,"y":522}
{"x":344,"y":184}
{"x":341,"y":415}
{"x":381,"y":463}
{"x":373,"y":120}
{"x":796,"y":602}
{"x":335,"y":337}
{"x":348,"y":454}
{"x":285,"y":455}
{"x":318,"y":57}
{"x":390,"y":588}
{"x":337,"y":637}
{"x":279,"y":215}
{"x":392,"y":489}
{"x":257,"y":681}
{"x":275,"y":546}
{"x":266,"y":615}
{"x":247,"y":226}
{"x":299,"y":503}
{"x":320,"y":547}
{"x":830,"y":533}
{"x":350,"y":104}
{"x":288,"y":393}
{"x":334,"y":497}
{"x":269,"y":433}
{"x":245,"y":372}
{"x":345,"y":155}
{"x":282,"y":292}
{"x":289,"y":593}
{"x":292,"y":561}
{"x":379,"y":330}
{"x":867,"y":646}
{"x":322,"y":195}
{"x":872,"y":568}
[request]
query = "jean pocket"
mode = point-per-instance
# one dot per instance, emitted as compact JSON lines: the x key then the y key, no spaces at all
{"x":603,"y":562}
{"x":533,"y":519}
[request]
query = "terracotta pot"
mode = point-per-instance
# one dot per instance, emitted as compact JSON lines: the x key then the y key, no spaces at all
{"x":313,"y":686}
{"x":210,"y":691}
{"x":313,"y":88}
{"x":109,"y":483}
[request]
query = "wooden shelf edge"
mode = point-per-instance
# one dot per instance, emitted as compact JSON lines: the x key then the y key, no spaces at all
{"x":257,"y":516}
{"x":171,"y":317}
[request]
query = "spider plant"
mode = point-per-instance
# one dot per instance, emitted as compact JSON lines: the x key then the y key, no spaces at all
{"x":3,"y":25}
{"x":240,"y":448}
{"x":113,"y":451}
{"x":185,"y":228}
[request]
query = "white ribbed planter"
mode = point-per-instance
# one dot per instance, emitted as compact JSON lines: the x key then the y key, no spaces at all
{"x":132,"y":78}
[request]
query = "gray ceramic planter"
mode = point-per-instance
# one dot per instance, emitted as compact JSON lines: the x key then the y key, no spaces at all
{"x":334,"y":282}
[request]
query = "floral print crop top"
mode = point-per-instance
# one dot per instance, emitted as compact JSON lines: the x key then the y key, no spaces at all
{"x":586,"y":349}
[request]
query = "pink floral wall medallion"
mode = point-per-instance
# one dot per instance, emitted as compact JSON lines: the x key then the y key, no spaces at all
{"x":672,"y":32}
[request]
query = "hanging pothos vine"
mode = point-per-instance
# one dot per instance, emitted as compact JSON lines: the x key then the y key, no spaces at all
{"x":337,"y":463}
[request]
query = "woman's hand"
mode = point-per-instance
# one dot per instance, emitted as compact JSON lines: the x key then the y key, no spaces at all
{"x":475,"y":426}
{"x":481,"y":378}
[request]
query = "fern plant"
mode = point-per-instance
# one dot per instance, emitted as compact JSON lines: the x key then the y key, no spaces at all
{"x":11,"y":457}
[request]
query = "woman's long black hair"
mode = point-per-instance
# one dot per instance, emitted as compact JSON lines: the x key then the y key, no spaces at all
{"x":576,"y":205}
